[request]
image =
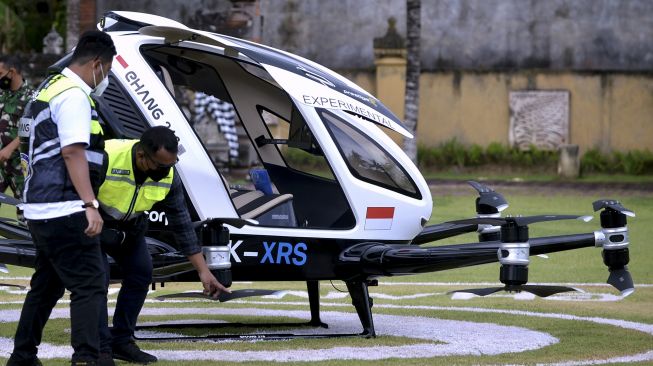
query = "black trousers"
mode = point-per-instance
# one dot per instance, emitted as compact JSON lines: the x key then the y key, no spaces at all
{"x":135,"y":264}
{"x":65,"y":258}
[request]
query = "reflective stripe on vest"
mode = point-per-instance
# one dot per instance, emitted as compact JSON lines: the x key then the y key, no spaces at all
{"x":46,"y":176}
{"x":59,"y":84}
{"x":120,"y":197}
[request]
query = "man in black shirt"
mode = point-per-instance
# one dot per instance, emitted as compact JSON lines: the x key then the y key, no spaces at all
{"x":140,"y":173}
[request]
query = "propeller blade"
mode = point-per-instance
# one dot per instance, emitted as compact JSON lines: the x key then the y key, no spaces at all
{"x":237,"y":294}
{"x":537,"y":290}
{"x":521,"y":221}
{"x":526,"y":220}
{"x":8,"y":220}
{"x":224,"y":296}
{"x":479,"y":291}
{"x":11,"y":285}
{"x":479,"y":221}
{"x":545,"y":291}
{"x":173,"y":269}
{"x":622,"y":281}
{"x":489,"y":197}
{"x":613,"y":204}
{"x":9,"y":200}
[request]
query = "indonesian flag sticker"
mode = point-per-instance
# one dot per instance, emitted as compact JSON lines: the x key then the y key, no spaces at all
{"x":122,"y":62}
{"x":379,"y":218}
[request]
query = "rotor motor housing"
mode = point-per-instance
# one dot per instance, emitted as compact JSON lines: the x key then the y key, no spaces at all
{"x":615,"y":239}
{"x":514,"y":254}
{"x":215,"y":248}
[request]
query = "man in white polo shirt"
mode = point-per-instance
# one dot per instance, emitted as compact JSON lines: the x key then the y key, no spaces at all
{"x":60,"y":202}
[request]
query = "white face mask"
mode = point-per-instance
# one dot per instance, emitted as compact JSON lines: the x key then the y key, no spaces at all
{"x":102,"y":86}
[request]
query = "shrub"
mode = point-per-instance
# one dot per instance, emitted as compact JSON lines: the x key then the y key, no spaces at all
{"x":636,"y":162}
{"x":452,"y":153}
{"x":496,"y":152}
{"x":593,"y":161}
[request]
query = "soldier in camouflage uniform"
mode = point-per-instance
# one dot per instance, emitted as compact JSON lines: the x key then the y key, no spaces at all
{"x":15,"y":93}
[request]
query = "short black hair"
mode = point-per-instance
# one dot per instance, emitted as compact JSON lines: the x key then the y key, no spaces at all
{"x":157,"y":137}
{"x":12,"y":61}
{"x":94,"y":44}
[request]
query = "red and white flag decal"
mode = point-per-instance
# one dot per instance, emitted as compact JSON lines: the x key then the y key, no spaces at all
{"x":122,"y":62}
{"x":379,"y":218}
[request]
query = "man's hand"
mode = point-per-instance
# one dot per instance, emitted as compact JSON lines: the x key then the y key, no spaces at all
{"x":94,"y":222}
{"x":211,"y":285}
{"x":5,"y":154}
{"x":7,"y":151}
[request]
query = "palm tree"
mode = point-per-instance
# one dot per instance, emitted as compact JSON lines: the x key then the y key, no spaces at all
{"x":413,"y":31}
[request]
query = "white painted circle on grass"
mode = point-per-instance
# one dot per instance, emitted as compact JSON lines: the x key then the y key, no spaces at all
{"x":453,"y":337}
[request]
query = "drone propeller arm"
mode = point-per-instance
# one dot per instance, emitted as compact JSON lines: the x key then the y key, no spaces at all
{"x":552,"y":244}
{"x":441,"y":231}
{"x":387,"y":259}
{"x":17,"y":252}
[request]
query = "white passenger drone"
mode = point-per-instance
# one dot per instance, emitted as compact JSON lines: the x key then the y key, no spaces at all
{"x":363,"y":217}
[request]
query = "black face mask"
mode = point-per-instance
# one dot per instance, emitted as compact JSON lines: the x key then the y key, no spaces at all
{"x":158,"y":174}
{"x":5,"y":82}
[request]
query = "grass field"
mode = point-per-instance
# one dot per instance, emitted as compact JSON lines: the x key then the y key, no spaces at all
{"x":417,"y":321}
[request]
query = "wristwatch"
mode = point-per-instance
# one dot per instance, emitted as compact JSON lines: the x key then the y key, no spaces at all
{"x":94,"y":204}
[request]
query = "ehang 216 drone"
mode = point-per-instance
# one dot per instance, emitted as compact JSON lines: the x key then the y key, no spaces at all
{"x":367,"y":218}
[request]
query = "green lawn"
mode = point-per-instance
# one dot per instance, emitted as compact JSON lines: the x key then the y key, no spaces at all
{"x":471,"y":174}
{"x":585,"y":329}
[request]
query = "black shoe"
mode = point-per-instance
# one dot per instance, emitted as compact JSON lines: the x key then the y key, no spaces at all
{"x":13,"y":362}
{"x":105,"y":359}
{"x":131,"y":353}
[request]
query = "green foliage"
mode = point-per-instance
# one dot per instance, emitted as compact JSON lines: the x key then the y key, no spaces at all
{"x":496,"y":152}
{"x":634,"y":162}
{"x":12,"y":28}
{"x":454,"y":154}
{"x":24,"y":24}
{"x":300,"y":158}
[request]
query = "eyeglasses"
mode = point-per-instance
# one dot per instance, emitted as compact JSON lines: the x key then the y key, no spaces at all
{"x":159,"y":165}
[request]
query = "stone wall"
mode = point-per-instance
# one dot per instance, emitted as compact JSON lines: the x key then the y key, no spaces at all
{"x":606,"y":111}
{"x":596,"y":35}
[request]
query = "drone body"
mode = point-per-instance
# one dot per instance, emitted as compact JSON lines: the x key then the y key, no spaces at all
{"x":365,"y":219}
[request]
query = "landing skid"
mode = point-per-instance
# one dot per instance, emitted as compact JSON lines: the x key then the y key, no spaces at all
{"x":248,"y":337}
{"x":360,"y":300}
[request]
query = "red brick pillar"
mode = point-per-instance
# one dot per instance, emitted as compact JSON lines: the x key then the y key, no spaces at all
{"x":88,"y":18}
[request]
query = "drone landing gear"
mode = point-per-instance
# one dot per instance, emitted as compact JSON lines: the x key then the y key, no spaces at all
{"x":313,"y":288}
{"x":361,"y":300}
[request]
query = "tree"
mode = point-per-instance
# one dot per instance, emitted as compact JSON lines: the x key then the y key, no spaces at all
{"x":11,"y":29}
{"x":411,"y":102}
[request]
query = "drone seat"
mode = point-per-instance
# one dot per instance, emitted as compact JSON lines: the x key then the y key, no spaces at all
{"x":268,"y":209}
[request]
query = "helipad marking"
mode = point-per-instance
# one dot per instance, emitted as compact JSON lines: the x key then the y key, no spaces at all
{"x":384,"y":324}
{"x":571,"y":284}
{"x":456,"y":337}
{"x":334,"y":295}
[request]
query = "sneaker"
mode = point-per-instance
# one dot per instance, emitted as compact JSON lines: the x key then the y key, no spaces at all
{"x":105,"y":359}
{"x":131,"y":353}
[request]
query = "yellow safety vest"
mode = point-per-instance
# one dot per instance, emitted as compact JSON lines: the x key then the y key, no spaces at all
{"x":120,"y":197}
{"x":58,"y":85}
{"x":45,"y":172}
